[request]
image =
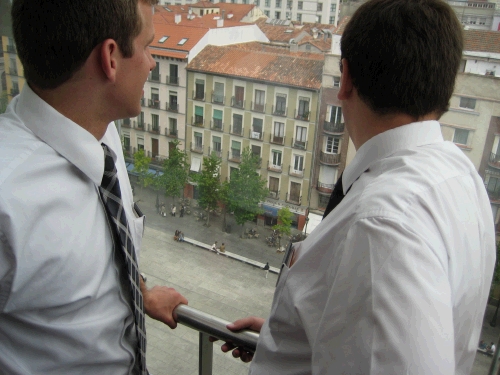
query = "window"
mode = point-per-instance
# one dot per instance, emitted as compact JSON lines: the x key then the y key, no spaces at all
{"x":218,"y":93}
{"x":320,"y":7}
{"x":274,"y":184}
{"x":239,"y":96}
{"x":461,"y":136}
{"x":308,"y":47}
{"x":468,"y":103}
{"x":267,"y":3}
{"x":217,"y":119}
{"x":200,"y":89}
{"x":172,"y":101}
{"x":278,"y":132}
{"x":172,"y":126}
{"x":334,"y":114}
{"x":333,"y":7}
{"x":294,"y":195}
{"x":260,"y":96}
{"x":198,"y":140}
{"x":332,"y":20}
{"x":155,"y":73}
{"x":140,"y":143}
{"x":173,"y":78}
{"x":257,"y":3}
{"x":256,"y":150}
{"x":300,"y":5}
{"x":13,"y":67}
{"x":237,"y":123}
{"x":126,"y":142}
{"x":289,"y":4}
{"x":332,"y":145}
{"x":493,"y":186}
{"x":280,"y":104}
{"x":163,"y":39}
{"x":303,"y":112}
{"x":235,"y":149}
{"x":482,"y":20}
{"x":155,"y":98}
{"x":266,"y":13}
{"x":277,"y":15}
{"x":182,"y":41}
{"x":300,"y":137}
{"x":257,"y":128}
{"x":278,"y":3}
{"x":299,"y":17}
{"x":318,"y":19}
{"x":298,"y":163}
{"x":276,"y":158}
{"x":198,"y":116}
{"x":232,"y":170}
{"x":336,"y":81}
{"x":140,"y":120}
{"x":323,"y":201}
{"x":155,"y":122}
{"x":217,"y":144}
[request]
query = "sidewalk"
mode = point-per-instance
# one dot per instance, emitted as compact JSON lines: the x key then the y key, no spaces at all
{"x":254,"y":248}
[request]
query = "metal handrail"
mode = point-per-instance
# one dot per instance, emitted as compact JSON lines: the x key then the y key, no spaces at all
{"x":215,"y":327}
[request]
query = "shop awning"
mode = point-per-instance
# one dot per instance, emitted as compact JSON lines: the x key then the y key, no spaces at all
{"x":270,"y":210}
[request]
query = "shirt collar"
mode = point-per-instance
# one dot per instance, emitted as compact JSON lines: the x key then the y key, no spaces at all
{"x":389,"y":142}
{"x":66,"y":137}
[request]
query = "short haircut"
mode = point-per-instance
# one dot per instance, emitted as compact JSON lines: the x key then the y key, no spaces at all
{"x":403,"y":55}
{"x":54,"y":38}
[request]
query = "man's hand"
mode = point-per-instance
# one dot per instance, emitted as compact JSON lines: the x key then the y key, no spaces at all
{"x":253,"y":323}
{"x":160,"y":302}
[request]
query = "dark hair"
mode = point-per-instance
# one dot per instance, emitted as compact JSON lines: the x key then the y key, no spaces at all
{"x":54,"y":38}
{"x":404,"y":55}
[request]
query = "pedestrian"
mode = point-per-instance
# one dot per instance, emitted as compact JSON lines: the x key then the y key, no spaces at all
{"x":403,"y":260}
{"x":174,"y":209}
{"x":79,"y":287}
{"x":222,"y":248}
{"x":176,"y":235}
{"x":182,"y":211}
{"x":181,"y":236}
{"x":266,"y":268}
{"x":214,"y":247}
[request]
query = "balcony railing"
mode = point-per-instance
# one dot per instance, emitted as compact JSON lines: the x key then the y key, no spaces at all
{"x":172,"y":107}
{"x":14,"y":92}
{"x":256,"y":107}
{"x":198,"y":148}
{"x":293,"y":199}
{"x":274,"y":194}
{"x":494,"y":160}
{"x":234,"y":155}
{"x":217,"y":125}
{"x":126,"y":123}
{"x":280,"y":111}
{"x":301,"y":145}
{"x":274,"y":168}
{"x":198,"y":122}
{"x":154,"y":103}
{"x":218,"y":99}
{"x":325,"y":188}
{"x":304,"y":116}
{"x":237,"y":103}
{"x":331,"y":159}
{"x":217,"y":152}
{"x":276,"y":140}
{"x":154,"y":77}
{"x":143,"y":102}
{"x":10,"y":49}
{"x":209,"y":325}
{"x":156,"y":159}
{"x":155,"y":129}
{"x":295,"y":172}
{"x":236,"y":130}
{"x":139,"y":125}
{"x":172,"y":80}
{"x":332,"y":127}
{"x":198,"y":96}
{"x":256,"y":135}
{"x":172,"y":133}
{"x":13,"y":72}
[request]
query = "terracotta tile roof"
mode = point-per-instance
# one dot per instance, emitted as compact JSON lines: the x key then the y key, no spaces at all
{"x":175,"y":34}
{"x":320,"y":43}
{"x":246,"y":62}
{"x":482,"y":41}
{"x":341,"y":25}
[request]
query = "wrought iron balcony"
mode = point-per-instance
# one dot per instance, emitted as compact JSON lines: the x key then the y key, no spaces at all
{"x":143,"y":102}
{"x":257,"y":107}
{"x":274,"y":194}
{"x":236,"y":130}
{"x":155,"y":129}
{"x":218,"y":99}
{"x":234,"y":155}
{"x":256,"y":135}
{"x":325,"y":188}
{"x":334,"y":128}
{"x":154,"y":103}
{"x":293,"y":199}
{"x":304,"y":116}
{"x":237,"y":103}
{"x":172,"y":107}
{"x":330,"y":159}
{"x":198,"y":148}
{"x":156,"y":159}
{"x":10,"y":49}
{"x":274,"y":168}
{"x":276,"y":140}
{"x":198,"y":96}
{"x":494,"y":160}
{"x":217,"y":152}
{"x":295,"y":172}
{"x":139,"y":125}
{"x":198,"y":121}
{"x":172,"y":80}
{"x":217,"y":125}
{"x":280,"y":111}
{"x":301,"y":145}
{"x":126,"y":123}
{"x":154,"y":77}
{"x":172,"y":133}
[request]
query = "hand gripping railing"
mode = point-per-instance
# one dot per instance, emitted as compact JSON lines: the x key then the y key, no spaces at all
{"x":209,"y":325}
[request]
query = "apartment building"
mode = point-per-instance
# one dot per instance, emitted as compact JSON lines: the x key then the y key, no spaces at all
{"x":260,"y":97}
{"x":180,"y":33}
{"x":14,"y":72}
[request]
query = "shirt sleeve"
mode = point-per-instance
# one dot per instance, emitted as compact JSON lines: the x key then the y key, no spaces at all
{"x":388,"y":310}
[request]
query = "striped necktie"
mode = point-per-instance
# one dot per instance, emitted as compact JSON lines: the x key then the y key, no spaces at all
{"x":111,"y":196}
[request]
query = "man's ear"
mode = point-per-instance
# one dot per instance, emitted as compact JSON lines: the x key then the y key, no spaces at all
{"x":346,"y":86}
{"x":110,"y":54}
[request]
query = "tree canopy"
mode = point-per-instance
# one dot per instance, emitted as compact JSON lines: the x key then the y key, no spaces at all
{"x":141,"y":167}
{"x":209,"y":184}
{"x":284,"y":226}
{"x":175,"y":171}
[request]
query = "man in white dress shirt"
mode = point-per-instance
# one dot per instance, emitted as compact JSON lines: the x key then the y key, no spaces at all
{"x":65,"y":302}
{"x":395,"y":279}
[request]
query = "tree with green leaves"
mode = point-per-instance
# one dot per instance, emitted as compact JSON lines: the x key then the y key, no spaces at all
{"x":209,"y":184}
{"x":284,"y":226}
{"x":246,"y":189}
{"x":141,"y":167}
{"x":4,"y":102}
{"x":175,"y":171}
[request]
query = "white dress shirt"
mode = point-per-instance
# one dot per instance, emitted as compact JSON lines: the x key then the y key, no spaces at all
{"x":63,"y":309}
{"x":395,"y":280}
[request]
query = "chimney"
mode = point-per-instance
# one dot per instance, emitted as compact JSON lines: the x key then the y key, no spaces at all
{"x":223,"y":14}
{"x":178,"y":18}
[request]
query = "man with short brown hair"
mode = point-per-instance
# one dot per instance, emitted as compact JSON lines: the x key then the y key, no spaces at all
{"x":72,"y":300}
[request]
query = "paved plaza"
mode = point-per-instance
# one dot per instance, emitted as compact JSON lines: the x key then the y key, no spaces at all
{"x":217,"y":285}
